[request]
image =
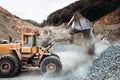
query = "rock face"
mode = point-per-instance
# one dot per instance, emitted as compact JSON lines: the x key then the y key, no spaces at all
{"x":109,"y":26}
{"x":12,"y":25}
{"x":107,"y":66}
{"x":110,"y":19}
{"x":110,"y":32}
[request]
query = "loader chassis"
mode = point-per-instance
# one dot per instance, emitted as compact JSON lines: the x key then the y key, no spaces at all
{"x":15,"y":57}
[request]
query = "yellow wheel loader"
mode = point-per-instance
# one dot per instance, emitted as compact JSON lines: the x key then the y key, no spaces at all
{"x":15,"y":57}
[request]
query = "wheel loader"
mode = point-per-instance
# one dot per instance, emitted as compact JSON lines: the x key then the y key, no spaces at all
{"x":15,"y":57}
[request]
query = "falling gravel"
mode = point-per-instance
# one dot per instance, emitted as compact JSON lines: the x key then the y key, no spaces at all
{"x":107,"y":66}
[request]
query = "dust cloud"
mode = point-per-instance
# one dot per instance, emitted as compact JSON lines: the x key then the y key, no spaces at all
{"x":73,"y":60}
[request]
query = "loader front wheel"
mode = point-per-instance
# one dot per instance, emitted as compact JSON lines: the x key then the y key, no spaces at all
{"x":9,"y":66}
{"x":51,"y":65}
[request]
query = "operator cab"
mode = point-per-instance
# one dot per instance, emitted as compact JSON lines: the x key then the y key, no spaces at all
{"x":30,"y":43}
{"x":30,"y":40}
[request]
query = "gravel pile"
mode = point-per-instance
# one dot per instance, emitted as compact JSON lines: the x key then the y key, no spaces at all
{"x":107,"y":66}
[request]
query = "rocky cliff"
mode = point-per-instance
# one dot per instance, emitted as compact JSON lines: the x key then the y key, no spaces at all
{"x":11,"y":25}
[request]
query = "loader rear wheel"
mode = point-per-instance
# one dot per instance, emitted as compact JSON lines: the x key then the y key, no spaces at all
{"x":9,"y":66}
{"x":51,"y":65}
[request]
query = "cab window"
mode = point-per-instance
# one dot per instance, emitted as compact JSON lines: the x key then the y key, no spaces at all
{"x":36,"y":41}
{"x":27,"y":41}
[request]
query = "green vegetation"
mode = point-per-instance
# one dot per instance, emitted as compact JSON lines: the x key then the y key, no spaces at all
{"x":91,"y":9}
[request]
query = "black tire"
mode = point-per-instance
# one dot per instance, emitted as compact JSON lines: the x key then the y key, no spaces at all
{"x":51,"y":60}
{"x":9,"y":66}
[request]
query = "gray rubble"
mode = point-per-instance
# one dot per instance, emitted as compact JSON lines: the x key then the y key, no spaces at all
{"x":107,"y":66}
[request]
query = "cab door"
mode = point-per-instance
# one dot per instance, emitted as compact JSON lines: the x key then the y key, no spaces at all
{"x":35,"y":48}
